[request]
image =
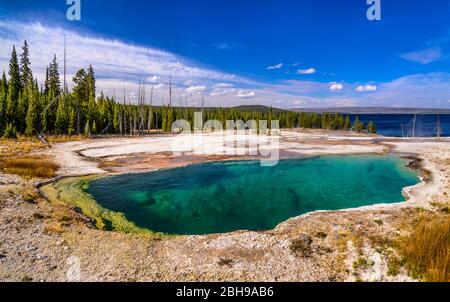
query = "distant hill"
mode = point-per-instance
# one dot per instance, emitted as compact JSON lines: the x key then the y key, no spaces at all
{"x":257,"y":108}
{"x":375,"y":110}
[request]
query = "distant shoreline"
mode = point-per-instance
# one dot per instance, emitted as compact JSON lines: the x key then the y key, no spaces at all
{"x":345,"y":110}
{"x":374,"y":110}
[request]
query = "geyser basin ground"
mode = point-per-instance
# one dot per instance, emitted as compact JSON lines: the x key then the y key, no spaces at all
{"x":227,"y":196}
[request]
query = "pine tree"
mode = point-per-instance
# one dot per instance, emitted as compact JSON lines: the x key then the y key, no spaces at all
{"x":81,"y":95}
{"x":33,"y":117}
{"x":87,"y":130}
{"x":22,"y":109}
{"x":46,"y":83}
{"x":45,"y":114}
{"x":71,"y":123}
{"x":371,"y":128}
{"x":26,"y":74}
{"x":53,"y":75}
{"x":91,"y":114}
{"x":14,"y":87}
{"x":116,"y":118}
{"x":61,"y":118}
{"x":358,"y":126}
{"x":347,"y":124}
{"x":91,"y":79}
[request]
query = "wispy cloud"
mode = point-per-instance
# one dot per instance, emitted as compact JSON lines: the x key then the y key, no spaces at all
{"x":196,"y":89}
{"x":242,"y":94}
{"x":222,"y":89}
{"x":307,"y":71}
{"x":366,"y":88}
{"x":274,"y":67}
{"x":228,"y":45}
{"x":425,"y":56}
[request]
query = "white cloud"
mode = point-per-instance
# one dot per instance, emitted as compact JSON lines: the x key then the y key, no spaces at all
{"x":196,"y":89}
{"x":242,"y":94}
{"x":224,"y":85}
{"x":425,"y":56}
{"x":336,"y":86}
{"x":307,"y":71}
{"x":366,"y":88}
{"x":274,"y":67}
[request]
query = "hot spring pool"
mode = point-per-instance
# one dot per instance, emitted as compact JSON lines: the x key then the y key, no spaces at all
{"x":227,"y":196}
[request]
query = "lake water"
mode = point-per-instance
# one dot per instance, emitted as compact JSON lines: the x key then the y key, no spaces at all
{"x":391,"y":124}
{"x":229,"y":196}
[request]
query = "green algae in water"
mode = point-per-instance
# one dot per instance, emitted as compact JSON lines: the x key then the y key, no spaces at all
{"x":228,"y":196}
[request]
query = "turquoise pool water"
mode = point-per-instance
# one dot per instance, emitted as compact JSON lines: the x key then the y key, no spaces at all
{"x":228,"y":196}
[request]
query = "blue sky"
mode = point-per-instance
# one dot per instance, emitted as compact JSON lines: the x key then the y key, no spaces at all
{"x":310,"y":53}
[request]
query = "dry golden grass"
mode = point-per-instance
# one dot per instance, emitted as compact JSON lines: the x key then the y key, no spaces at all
{"x":16,"y":158}
{"x":64,"y":138}
{"x":54,"y":228}
{"x":426,"y":253}
{"x":21,"y":146}
{"x":30,"y":166}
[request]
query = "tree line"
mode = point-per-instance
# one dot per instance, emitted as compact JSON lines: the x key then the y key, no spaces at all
{"x":30,"y":109}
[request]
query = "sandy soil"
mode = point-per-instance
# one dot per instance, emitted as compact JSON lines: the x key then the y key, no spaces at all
{"x":44,"y":241}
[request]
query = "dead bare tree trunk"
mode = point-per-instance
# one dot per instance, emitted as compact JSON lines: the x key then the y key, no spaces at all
{"x":150,"y":112}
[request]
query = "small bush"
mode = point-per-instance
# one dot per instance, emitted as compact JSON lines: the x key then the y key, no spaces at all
{"x":321,"y":235}
{"x":362,"y":263}
{"x":38,"y":216}
{"x":54,"y":228}
{"x":394,"y":266}
{"x":225,"y":262}
{"x":30,"y":167}
{"x":302,"y":245}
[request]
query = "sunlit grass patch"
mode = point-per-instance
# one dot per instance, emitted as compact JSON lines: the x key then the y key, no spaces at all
{"x":426,"y":252}
{"x":19,"y":147}
{"x":30,"y":166}
{"x":64,"y":138}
